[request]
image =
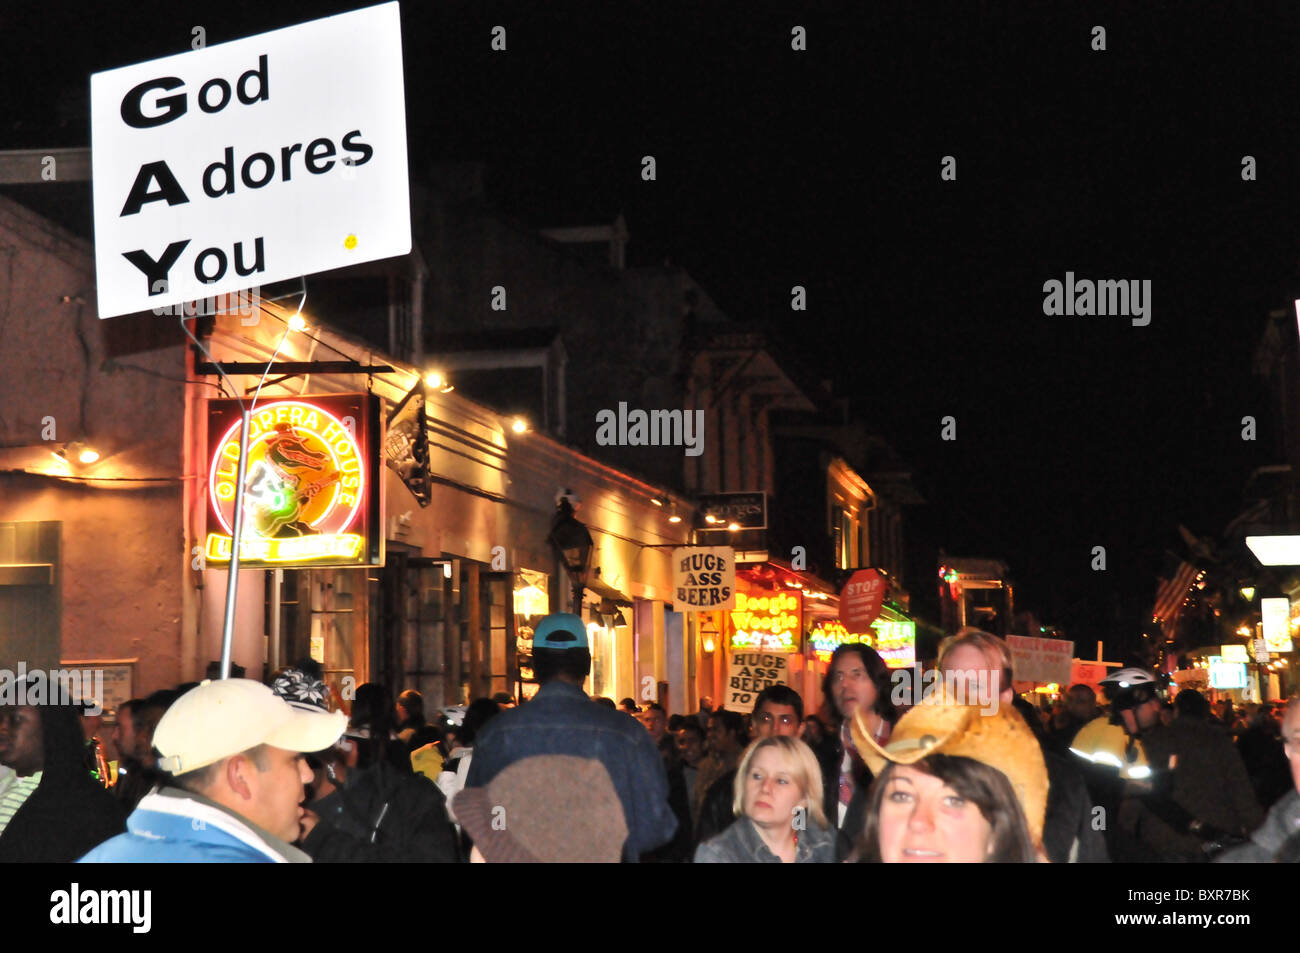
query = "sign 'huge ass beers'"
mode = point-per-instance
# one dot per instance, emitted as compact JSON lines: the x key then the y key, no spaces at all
{"x":250,"y":162}
{"x":704,"y":577}
{"x":313,"y":494}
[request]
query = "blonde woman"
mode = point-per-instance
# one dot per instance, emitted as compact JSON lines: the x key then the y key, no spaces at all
{"x":778,"y":795}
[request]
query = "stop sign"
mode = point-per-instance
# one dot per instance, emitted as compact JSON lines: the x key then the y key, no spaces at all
{"x":860,"y":600}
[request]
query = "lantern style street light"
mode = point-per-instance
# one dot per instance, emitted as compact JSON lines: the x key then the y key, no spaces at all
{"x":572,"y":541}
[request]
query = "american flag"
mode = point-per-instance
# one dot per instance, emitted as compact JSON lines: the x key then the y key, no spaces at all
{"x":1170,"y":596}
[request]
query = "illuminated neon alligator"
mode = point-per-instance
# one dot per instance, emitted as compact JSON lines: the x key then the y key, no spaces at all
{"x":276,"y":495}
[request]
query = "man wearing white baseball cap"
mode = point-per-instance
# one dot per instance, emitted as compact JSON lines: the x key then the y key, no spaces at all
{"x":233,"y":750}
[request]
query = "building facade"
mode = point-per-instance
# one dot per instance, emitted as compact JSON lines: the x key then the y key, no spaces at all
{"x":110,"y":560}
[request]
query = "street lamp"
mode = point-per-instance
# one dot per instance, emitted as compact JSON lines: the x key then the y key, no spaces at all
{"x":572,"y":541}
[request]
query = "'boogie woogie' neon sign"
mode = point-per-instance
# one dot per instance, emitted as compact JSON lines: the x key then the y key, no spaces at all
{"x":769,"y":621}
{"x":305,"y":487}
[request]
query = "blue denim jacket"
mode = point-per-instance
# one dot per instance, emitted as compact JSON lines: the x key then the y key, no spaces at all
{"x":561,"y":719}
{"x":742,"y":844}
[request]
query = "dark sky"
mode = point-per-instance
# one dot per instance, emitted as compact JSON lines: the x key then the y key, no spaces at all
{"x":821,"y":168}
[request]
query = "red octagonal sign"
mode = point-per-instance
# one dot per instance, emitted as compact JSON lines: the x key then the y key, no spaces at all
{"x":860,"y":600}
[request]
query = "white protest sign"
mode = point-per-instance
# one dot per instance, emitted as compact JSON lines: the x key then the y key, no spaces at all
{"x":1040,"y":660}
{"x":250,"y":162}
{"x":748,"y":673}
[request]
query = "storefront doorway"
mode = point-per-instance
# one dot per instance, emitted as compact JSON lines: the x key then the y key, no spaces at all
{"x":443,"y":626}
{"x":320,"y":614}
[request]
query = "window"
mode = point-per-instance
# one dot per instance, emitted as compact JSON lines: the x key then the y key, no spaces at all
{"x":849,"y":533}
{"x":318,"y":618}
{"x":837,"y":535}
{"x":532,"y":601}
{"x":845,"y":541}
{"x":31,"y":592}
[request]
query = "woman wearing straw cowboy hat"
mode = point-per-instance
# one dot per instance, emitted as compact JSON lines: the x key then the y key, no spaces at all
{"x":953,"y":785}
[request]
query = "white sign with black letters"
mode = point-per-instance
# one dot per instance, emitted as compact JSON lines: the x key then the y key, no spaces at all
{"x":250,"y":162}
{"x":748,"y":673}
{"x":704,"y":578}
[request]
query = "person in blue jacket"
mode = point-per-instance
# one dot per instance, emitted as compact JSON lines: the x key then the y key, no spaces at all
{"x":233,"y":751}
{"x":562,"y":719}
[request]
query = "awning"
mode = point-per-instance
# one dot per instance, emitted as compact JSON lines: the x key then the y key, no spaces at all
{"x":602,"y":591}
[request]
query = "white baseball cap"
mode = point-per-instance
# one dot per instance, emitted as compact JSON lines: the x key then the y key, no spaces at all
{"x":222,"y":718}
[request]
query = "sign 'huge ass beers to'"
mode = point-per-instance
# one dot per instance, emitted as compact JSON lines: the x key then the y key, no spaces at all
{"x":250,"y":162}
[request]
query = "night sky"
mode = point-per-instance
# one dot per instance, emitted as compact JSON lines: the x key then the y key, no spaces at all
{"x":821,"y":168}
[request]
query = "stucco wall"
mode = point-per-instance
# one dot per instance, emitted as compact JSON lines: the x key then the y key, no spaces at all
{"x":530,"y":469}
{"x":120,"y":585}
{"x":65,"y":370}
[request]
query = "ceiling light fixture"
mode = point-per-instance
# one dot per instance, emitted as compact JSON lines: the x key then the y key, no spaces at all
{"x":436,"y":380}
{"x":78,"y":451}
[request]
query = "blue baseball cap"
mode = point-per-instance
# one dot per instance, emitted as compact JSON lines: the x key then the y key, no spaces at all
{"x":560,"y":630}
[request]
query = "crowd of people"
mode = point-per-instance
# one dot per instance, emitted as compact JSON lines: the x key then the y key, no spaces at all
{"x":236,"y":770}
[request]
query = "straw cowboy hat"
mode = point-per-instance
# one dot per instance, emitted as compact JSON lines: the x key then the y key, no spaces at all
{"x":1001,"y":740}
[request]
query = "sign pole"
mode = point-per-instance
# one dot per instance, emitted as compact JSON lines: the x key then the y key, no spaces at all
{"x":232,"y":580}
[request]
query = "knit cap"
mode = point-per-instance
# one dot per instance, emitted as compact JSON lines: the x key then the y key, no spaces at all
{"x":545,"y":809}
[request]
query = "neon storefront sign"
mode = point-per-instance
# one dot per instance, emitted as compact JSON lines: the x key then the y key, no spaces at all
{"x":768,"y":621}
{"x":309,"y":497}
{"x":893,"y":639}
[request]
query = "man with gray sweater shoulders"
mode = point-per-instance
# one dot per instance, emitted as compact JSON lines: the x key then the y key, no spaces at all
{"x":1283,"y":821}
